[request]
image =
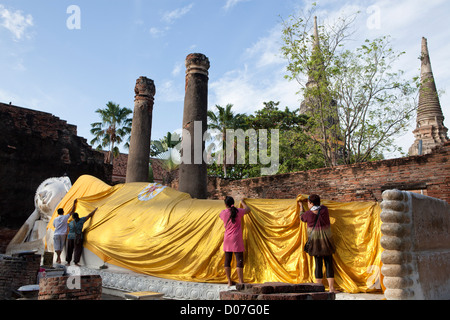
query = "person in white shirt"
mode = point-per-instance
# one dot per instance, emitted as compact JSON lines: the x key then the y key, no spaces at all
{"x":60,"y":224}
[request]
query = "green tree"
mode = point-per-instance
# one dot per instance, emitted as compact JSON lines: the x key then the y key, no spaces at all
{"x":162,"y":146}
{"x":166,"y":150}
{"x":297,"y":150}
{"x":357,"y":105}
{"x":224,"y":119}
{"x":114,"y":127}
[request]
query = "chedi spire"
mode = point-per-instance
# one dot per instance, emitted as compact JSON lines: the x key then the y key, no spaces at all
{"x":314,"y":73}
{"x":430,"y":131}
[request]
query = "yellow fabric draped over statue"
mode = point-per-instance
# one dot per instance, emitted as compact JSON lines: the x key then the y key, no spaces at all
{"x":159,"y":231}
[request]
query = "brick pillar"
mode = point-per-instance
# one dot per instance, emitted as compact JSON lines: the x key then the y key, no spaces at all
{"x":87,"y":287}
{"x":16,"y":272}
{"x":139,"y":155}
{"x":192,"y":172}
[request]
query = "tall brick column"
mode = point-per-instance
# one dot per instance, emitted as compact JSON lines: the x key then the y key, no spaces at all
{"x":193,"y":175}
{"x":139,"y":155}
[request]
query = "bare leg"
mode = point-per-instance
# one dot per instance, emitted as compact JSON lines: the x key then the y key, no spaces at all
{"x":331,"y":285}
{"x":240,"y":272}
{"x":58,"y":256}
{"x":228,"y":273}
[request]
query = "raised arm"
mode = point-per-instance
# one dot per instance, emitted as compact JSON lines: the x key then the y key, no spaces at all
{"x":301,"y":211}
{"x":92,"y":213}
{"x":73,"y":207}
{"x":246,"y":208}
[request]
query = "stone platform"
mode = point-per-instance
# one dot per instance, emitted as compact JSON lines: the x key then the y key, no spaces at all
{"x":118,"y":283}
{"x":278,"y":291}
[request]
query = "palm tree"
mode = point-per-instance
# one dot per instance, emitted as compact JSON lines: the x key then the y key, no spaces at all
{"x":164,"y":150}
{"x":115,"y":125}
{"x":170,"y":141}
{"x":223,"y":120}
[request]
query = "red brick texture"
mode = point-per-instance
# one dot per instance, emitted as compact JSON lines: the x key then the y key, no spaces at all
{"x":35,"y":146}
{"x":359,"y":182}
{"x":60,"y":288}
{"x":278,"y":291}
{"x":16,"y":272}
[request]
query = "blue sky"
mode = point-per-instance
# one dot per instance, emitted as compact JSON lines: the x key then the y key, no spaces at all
{"x":47,"y":66}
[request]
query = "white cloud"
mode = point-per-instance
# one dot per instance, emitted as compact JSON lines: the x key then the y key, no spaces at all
{"x":15,"y":21}
{"x":231,"y":3}
{"x":267,"y":50}
{"x":158,"y":32}
{"x":247,"y":91}
{"x":260,"y":79}
{"x":406,"y":21}
{"x":171,"y":16}
{"x":177,"y":69}
{"x":170,"y":92}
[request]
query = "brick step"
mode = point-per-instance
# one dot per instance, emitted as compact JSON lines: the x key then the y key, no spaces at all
{"x":278,"y":291}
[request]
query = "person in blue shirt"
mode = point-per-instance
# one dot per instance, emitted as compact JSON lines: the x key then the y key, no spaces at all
{"x":75,"y":238}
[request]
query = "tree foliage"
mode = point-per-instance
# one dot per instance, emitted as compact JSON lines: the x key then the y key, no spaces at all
{"x":218,"y":123}
{"x":357,"y":105}
{"x":166,"y":151}
{"x":113,"y":129}
{"x":297,"y":151}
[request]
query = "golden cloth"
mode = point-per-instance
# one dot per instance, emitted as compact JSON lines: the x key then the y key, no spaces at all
{"x":159,"y":231}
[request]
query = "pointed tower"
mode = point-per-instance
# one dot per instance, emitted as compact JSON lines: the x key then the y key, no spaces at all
{"x":306,"y":105}
{"x":320,"y":102}
{"x":430,"y":131}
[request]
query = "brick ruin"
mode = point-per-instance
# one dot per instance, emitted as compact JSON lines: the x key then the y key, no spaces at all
{"x":430,"y":130}
{"x":87,"y":287}
{"x":278,"y":291}
{"x":17,"y":271}
{"x":427,"y":174}
{"x":35,"y":146}
{"x":138,"y":159}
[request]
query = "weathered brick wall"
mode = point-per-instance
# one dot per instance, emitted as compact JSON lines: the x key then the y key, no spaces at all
{"x":6,"y":236}
{"x":278,"y":291}
{"x":71,"y":288}
{"x":359,"y":182}
{"x":35,"y":146}
{"x":16,"y":272}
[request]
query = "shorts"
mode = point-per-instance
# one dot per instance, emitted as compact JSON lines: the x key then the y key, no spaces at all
{"x":58,"y":241}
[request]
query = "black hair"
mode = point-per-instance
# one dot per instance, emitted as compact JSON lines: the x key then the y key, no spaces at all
{"x":229,"y":202}
{"x":75,"y":216}
{"x":314,"y":199}
{"x":60,"y":211}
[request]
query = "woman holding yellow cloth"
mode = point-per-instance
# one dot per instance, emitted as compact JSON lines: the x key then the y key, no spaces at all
{"x":233,"y":241}
{"x":320,"y":243}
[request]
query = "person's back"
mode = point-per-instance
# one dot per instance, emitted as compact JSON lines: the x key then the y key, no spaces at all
{"x":233,"y":230}
{"x":60,"y":224}
{"x":76,"y":227}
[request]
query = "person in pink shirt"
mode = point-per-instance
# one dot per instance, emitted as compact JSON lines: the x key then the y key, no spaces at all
{"x":233,"y":241}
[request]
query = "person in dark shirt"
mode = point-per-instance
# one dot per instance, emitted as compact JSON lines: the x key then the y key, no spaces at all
{"x":75,"y":237}
{"x":322,"y":243}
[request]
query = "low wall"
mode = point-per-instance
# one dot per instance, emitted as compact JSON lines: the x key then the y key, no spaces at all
{"x":35,"y":146}
{"x":427,"y":174}
{"x":87,"y":287}
{"x":16,"y":272}
{"x":416,"y":239}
